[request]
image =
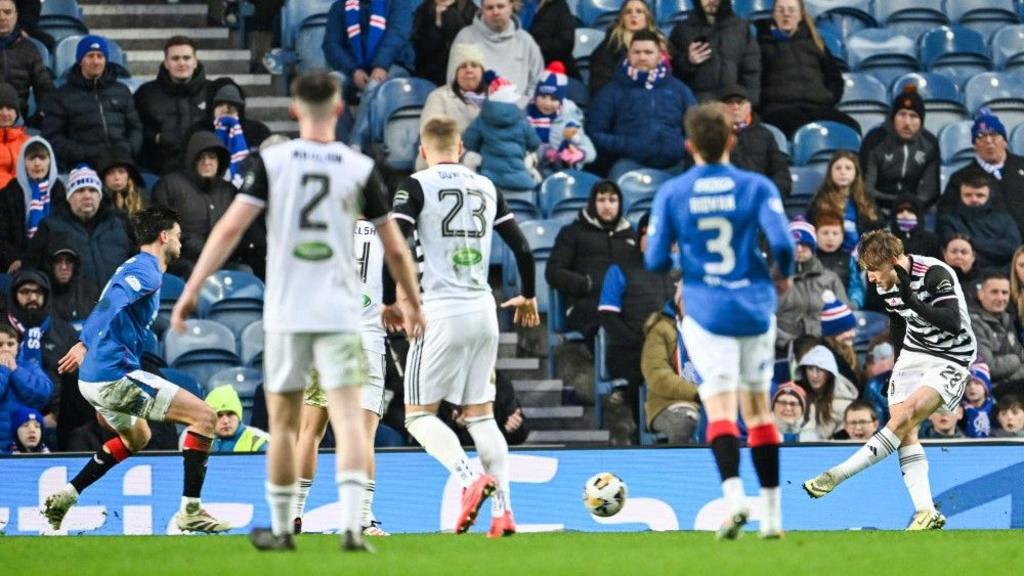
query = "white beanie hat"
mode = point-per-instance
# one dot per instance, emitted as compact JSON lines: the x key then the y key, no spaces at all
{"x":83,"y":176}
{"x":462,"y":53}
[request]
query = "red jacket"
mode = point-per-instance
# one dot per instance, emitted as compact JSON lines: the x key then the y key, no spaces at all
{"x":11,"y":141}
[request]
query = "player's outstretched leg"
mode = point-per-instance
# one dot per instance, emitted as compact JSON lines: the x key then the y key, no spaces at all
{"x":311,"y":433}
{"x":725,"y":445}
{"x":201,"y":421}
{"x":441,"y":442}
{"x":493,"y":449}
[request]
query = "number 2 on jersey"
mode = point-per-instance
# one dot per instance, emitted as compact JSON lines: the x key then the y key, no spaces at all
{"x":721,"y":245}
{"x":317,"y":187}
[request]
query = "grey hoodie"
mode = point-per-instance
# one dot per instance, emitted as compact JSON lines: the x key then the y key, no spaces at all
{"x":511,"y":53}
{"x":21,"y":173}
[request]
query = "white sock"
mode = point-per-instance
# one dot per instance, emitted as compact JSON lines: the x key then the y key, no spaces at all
{"x":441,"y":442}
{"x":914,"y":465}
{"x":368,"y":503}
{"x":351,"y":486}
{"x":771,"y":500}
{"x":493,"y":451}
{"x":70,"y":489}
{"x":883,"y":443}
{"x":732,"y":488}
{"x":302,"y":487}
{"x":281,"y":500}
{"x":189,"y":505}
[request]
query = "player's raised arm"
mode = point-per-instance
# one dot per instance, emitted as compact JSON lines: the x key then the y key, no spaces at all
{"x":660,"y":234}
{"x":942,"y":310}
{"x":526,"y":303}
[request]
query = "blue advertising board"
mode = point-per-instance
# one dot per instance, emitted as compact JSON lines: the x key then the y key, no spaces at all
{"x":977,"y":486}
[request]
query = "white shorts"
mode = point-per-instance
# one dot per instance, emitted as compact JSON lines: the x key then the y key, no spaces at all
{"x":373,"y":392}
{"x":138,"y":395}
{"x":290,"y":358}
{"x":453,"y":361}
{"x":916,"y":369}
{"x":730,"y":363}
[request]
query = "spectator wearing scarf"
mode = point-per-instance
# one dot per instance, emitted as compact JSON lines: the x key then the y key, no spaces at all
{"x":558,"y":123}
{"x":226,"y":117}
{"x":27,"y":200}
{"x":369,"y":40}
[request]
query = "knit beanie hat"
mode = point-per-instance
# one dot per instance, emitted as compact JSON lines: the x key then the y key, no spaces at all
{"x":793,"y":390}
{"x":980,"y":372}
{"x":985,"y":122}
{"x":803,"y":233}
{"x":908,"y":99}
{"x":553,"y":81}
{"x":24,"y":414}
{"x":9,"y":97}
{"x":836,"y":316}
{"x":463,"y":53}
{"x":500,"y":89}
{"x":225,"y":399}
{"x":91,"y":43}
{"x":83,"y":177}
{"x":230,"y":94}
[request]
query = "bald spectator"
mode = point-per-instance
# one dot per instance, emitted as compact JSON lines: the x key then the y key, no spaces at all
{"x":21,"y":65}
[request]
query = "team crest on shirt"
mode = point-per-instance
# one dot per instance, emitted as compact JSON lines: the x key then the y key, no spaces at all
{"x":133,"y":282}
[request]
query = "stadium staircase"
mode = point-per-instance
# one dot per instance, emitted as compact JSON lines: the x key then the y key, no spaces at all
{"x":142,"y":26}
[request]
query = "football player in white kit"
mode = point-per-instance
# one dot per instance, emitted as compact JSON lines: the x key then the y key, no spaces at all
{"x":369,"y":258}
{"x":313,"y":189}
{"x":454,"y":212}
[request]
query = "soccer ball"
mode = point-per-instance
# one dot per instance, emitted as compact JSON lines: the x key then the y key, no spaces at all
{"x":604,"y":494}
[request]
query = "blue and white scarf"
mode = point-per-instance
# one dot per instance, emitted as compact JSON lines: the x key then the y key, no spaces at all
{"x":229,"y":130}
{"x":363,"y":55}
{"x":540,"y":122}
{"x":31,"y":348}
{"x":38,"y":206}
{"x":648,"y":78}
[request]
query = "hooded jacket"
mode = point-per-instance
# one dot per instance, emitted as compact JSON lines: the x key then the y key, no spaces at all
{"x":735,"y":54}
{"x":511,"y":53}
{"x":14,"y":201}
{"x":757,"y":151}
{"x":167,"y":110}
{"x":667,"y":382}
{"x":11,"y":141}
{"x":21,"y":66}
{"x":992,"y":229}
{"x":799,"y":310}
{"x":255,"y":131}
{"x":624,"y":109}
{"x":394,"y":46}
{"x":84,"y":116}
{"x":998,"y":345}
{"x":893,"y":166}
{"x":794,"y":72}
{"x":72,"y":302}
{"x":919,"y":240}
{"x":843,"y":394}
{"x":502,"y":136}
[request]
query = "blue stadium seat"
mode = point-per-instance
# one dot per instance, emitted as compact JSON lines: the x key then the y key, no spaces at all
{"x":598,"y":13}
{"x":587,"y":39}
{"x":250,"y":345}
{"x":205,"y":348}
{"x":882,"y":53}
{"x":185,"y":381}
{"x":753,"y":10}
{"x":870,"y":325}
{"x":955,"y":143}
{"x":671,"y":11}
{"x":603,"y":381}
{"x":640,"y":184}
{"x":540,"y":235}
{"x":44,"y":52}
{"x":395,"y":120}
{"x":309,"y":39}
{"x":955,"y":51}
{"x":295,"y":13}
{"x":524,"y":210}
{"x":910,"y":17}
{"x":60,"y":9}
{"x":983,"y":16}
{"x":558,"y":331}
{"x":1016,"y":144}
{"x":806,"y":181}
{"x":833,"y":40}
{"x":780,"y":138}
{"x":816,"y":142}
{"x":865,"y":99}
{"x":1000,"y":92}
{"x":943,"y":102}
{"x":1008,"y":48}
{"x":235,"y":299}
{"x":151,"y":350}
{"x":566,"y":184}
{"x":244,"y":380}
{"x":170,"y":290}
{"x":844,"y":16}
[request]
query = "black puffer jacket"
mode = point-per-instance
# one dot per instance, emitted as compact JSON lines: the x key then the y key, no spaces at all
{"x":554,"y":31}
{"x":22,"y":67}
{"x":757,"y":151}
{"x":1007,"y":189}
{"x":430,"y":41}
{"x":992,"y":229}
{"x":255,"y":131}
{"x":920,"y":240}
{"x":168,"y":109}
{"x":794,"y":72}
{"x":83,"y":117}
{"x":735,"y":55}
{"x":893,"y":166}
{"x":74,"y":301}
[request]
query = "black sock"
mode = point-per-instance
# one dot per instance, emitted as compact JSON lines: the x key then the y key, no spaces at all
{"x":195,"y":472}
{"x":726,"y":449}
{"x":766,"y":462}
{"x":98,"y":465}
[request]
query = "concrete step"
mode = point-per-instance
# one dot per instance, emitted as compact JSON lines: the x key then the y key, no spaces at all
{"x":508,"y":343}
{"x":268,"y":108}
{"x":217,"y":63}
{"x":567,"y":437}
{"x":288,"y":128}
{"x":171,"y":15}
{"x":520,"y":368}
{"x":538,"y":392}
{"x":549,"y":412}
{"x":154,"y":38}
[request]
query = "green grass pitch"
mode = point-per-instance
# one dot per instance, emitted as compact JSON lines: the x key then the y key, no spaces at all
{"x":866,"y":553}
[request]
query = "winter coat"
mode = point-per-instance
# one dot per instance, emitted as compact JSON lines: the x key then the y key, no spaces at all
{"x":167,"y":110}
{"x":581,"y":255}
{"x":920,"y":240}
{"x":666,"y":382}
{"x":14,"y":201}
{"x":624,"y":109}
{"x":394,"y":46}
{"x":794,"y":72}
{"x":26,"y":385}
{"x":74,"y":301}
{"x":22,"y":67}
{"x":430,"y":41}
{"x":511,"y":53}
{"x":444,"y":102}
{"x":757,"y":151}
{"x":735,"y":54}
{"x":993,"y":231}
{"x":11,"y":141}
{"x":799,"y":310}
{"x":567,"y":113}
{"x":255,"y":131}
{"x":1006,"y":190}
{"x":554,"y":30}
{"x":84,"y":116}
{"x":998,"y":345}
{"x":892,"y":166}
{"x":502,"y":136}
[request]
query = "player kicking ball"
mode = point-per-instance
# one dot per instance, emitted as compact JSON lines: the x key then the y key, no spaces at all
{"x":111,"y":378}
{"x":454,"y":213}
{"x":715,"y":213}
{"x":313,"y":189}
{"x":931,"y":331}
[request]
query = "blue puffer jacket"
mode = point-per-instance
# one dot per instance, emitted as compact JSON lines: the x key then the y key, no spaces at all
{"x":502,"y":136}
{"x":646,"y":126}
{"x":25,"y":386}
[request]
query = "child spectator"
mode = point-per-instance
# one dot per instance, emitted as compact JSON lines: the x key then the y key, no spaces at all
{"x":860,"y":422}
{"x":943,"y":424}
{"x":839,"y":329}
{"x":22,"y":382}
{"x":12,"y":137}
{"x":843,"y":192}
{"x":789,"y":408}
{"x":978,"y":403}
{"x":908,"y":225}
{"x":835,"y":257}
{"x":502,"y":136}
{"x":27,"y":432}
{"x":1010,"y":415}
{"x":26,"y":200}
{"x":559,"y":124}
{"x":828,"y":394}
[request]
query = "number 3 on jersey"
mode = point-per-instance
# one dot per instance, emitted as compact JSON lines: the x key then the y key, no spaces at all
{"x":720,"y":244}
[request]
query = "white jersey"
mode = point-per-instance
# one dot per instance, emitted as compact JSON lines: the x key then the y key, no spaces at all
{"x":454,"y":211}
{"x":369,"y":253}
{"x":313,"y":192}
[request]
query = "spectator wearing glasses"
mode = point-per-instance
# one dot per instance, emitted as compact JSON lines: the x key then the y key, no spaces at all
{"x":860,"y":422}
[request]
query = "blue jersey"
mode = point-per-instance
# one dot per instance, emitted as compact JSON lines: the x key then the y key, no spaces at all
{"x":114,"y":333}
{"x":715,"y":213}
